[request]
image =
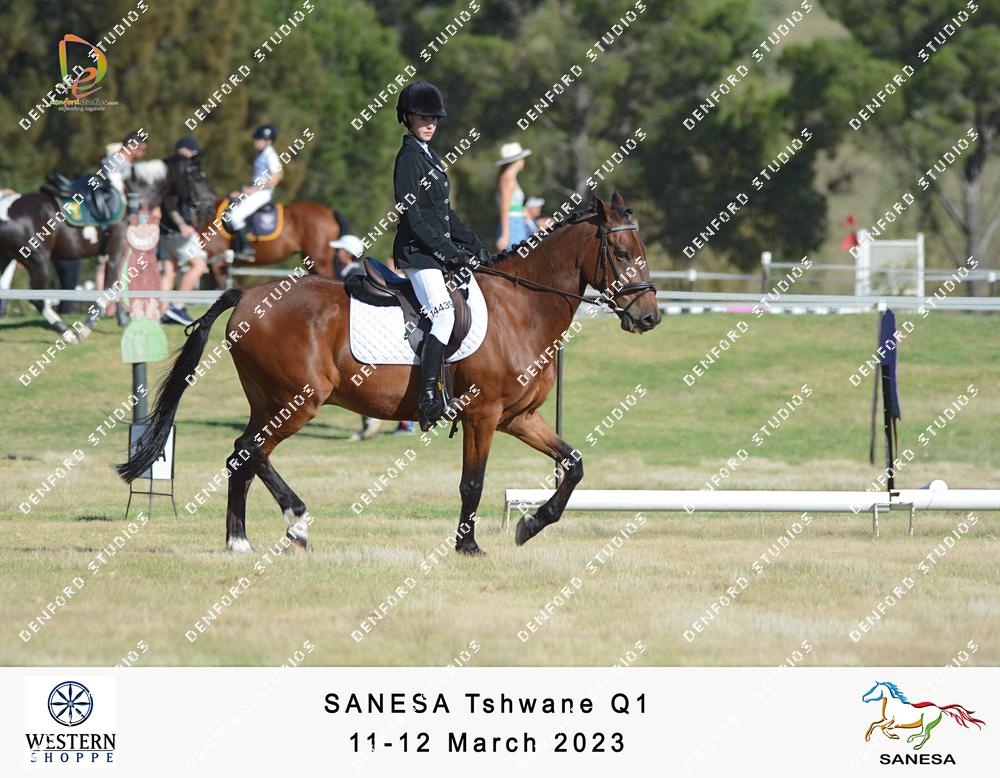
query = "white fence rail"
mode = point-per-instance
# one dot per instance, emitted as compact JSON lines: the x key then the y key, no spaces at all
{"x":937,"y":496}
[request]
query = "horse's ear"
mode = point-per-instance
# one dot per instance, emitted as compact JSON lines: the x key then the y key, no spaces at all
{"x":618,"y":201}
{"x":597,"y":204}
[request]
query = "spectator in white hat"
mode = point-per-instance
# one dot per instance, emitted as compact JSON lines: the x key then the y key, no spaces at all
{"x":532,"y":212}
{"x":347,"y":251}
{"x":510,"y":197}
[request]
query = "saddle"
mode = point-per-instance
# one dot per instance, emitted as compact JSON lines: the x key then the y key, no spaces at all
{"x":264,"y":221}
{"x":379,"y":286}
{"x":83,"y":204}
{"x":263,"y":224}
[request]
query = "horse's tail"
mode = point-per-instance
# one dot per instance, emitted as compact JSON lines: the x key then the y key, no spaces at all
{"x":960,"y":714}
{"x":345,"y":226}
{"x":168,"y":396}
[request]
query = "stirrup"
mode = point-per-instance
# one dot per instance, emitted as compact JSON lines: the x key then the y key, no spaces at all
{"x":430,"y":413}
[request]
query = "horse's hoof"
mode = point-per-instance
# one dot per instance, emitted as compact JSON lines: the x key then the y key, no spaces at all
{"x":472,"y":549}
{"x":298,"y":544}
{"x":525,"y":531}
{"x":84,"y":332}
{"x":69,"y":336}
{"x":240,"y":545}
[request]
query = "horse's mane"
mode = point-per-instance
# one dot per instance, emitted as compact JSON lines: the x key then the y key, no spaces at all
{"x":574,"y":218}
{"x":895,"y":692}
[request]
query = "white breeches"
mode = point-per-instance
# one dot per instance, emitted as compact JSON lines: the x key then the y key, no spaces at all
{"x":239,"y":213}
{"x":433,"y":294}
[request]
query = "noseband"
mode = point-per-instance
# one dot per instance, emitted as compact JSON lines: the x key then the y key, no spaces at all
{"x":606,"y":262}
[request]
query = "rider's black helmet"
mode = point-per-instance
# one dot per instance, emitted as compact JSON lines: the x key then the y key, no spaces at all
{"x":189,"y":142}
{"x":420,"y":97}
{"x":266,"y":132}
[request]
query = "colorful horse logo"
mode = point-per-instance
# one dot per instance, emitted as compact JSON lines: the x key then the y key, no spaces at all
{"x":896,"y":714}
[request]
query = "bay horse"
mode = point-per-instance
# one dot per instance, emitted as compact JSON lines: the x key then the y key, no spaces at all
{"x":307,"y":230}
{"x":298,"y":356}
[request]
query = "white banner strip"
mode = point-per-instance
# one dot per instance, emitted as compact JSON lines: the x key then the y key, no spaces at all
{"x":499,"y":721}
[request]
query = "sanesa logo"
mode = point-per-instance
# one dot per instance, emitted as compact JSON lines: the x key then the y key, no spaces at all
{"x":69,"y":723}
{"x":917,"y":720}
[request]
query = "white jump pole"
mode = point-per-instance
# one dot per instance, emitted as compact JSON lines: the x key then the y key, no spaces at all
{"x":936,"y":497}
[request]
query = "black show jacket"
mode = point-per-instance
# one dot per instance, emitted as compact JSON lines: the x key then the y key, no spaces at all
{"x":429,"y":233}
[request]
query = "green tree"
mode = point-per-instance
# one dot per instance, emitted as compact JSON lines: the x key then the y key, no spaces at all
{"x":954,"y":87}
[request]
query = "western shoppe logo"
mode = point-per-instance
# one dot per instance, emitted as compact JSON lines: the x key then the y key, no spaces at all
{"x":70,"y":722}
{"x":897,"y":717}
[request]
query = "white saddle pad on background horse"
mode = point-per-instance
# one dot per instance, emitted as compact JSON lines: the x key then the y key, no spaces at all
{"x":5,"y":203}
{"x":378,"y":335}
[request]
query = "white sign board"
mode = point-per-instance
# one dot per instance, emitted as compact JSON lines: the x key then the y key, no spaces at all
{"x":163,"y":468}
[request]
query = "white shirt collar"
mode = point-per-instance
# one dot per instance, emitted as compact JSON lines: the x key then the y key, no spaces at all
{"x":423,"y":145}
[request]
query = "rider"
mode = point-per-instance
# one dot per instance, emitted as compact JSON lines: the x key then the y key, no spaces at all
{"x":430,"y":235}
{"x":266,"y":174}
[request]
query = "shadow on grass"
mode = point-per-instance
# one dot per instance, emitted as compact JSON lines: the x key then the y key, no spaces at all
{"x":239,"y":426}
{"x":40,"y":326}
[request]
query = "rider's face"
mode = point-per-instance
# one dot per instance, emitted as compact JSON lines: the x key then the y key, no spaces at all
{"x":423,"y":127}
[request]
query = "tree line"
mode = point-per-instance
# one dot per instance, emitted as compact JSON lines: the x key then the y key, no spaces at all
{"x":733,"y":97}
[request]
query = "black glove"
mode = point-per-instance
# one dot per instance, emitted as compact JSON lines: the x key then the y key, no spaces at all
{"x":457,"y":262}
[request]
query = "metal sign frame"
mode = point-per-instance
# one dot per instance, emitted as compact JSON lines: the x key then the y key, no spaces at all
{"x":136,"y":431}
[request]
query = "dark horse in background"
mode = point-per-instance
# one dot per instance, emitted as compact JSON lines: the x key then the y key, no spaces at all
{"x":37,"y":216}
{"x":305,"y":342}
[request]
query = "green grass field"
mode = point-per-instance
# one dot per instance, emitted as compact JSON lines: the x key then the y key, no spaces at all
{"x":662,"y":579}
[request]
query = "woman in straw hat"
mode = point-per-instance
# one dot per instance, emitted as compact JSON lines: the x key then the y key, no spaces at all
{"x":510,"y":197}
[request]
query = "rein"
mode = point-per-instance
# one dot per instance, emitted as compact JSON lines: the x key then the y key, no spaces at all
{"x":603,"y":261}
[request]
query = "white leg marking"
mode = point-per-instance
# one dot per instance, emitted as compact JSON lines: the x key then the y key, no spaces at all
{"x":298,"y":528}
{"x":8,"y":276}
{"x":240,"y":544}
{"x":50,"y":314}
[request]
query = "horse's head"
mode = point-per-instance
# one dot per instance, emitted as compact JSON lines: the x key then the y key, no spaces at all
{"x":874,"y":694}
{"x":188,"y":182}
{"x":620,"y":270}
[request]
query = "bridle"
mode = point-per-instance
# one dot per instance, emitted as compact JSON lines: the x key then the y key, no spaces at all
{"x":192,"y":174}
{"x":639,"y":288}
{"x":605,"y":264}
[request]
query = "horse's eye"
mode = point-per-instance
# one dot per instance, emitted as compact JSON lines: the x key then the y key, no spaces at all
{"x":622,"y":254}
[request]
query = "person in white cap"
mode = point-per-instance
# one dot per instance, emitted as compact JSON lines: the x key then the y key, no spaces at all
{"x":513,"y":228}
{"x":347,"y":251}
{"x":533,"y":210}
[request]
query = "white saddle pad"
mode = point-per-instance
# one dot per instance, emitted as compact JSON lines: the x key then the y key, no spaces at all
{"x":5,"y":203}
{"x":378,"y":336}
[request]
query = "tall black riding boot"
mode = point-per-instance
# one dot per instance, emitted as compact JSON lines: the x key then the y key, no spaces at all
{"x":241,"y":245}
{"x":430,"y":403}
